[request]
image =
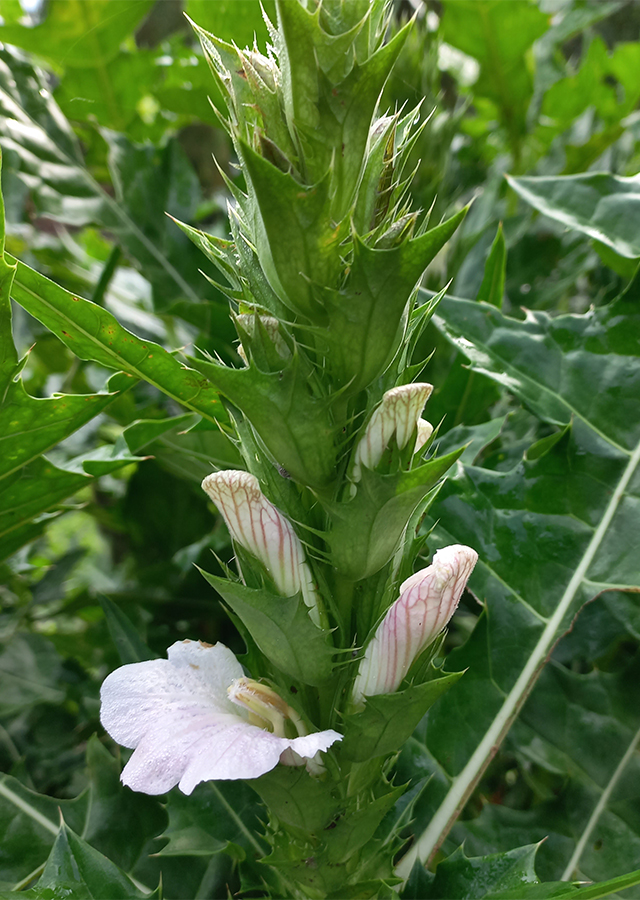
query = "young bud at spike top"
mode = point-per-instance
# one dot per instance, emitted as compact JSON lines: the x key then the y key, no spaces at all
{"x":260,"y":528}
{"x":271,"y":326}
{"x":427,"y":601}
{"x":397,"y":416}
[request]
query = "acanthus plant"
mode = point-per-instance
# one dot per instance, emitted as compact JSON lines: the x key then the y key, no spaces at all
{"x":340,"y":610}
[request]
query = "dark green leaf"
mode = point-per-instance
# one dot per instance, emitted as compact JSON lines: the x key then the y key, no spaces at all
{"x":551,"y":533}
{"x":460,"y":878}
{"x":565,"y":366}
{"x":76,"y":868}
{"x":116,"y":821}
{"x":605,"y":207}
{"x":93,"y":333}
{"x":30,"y":669}
{"x":217,"y":816}
{"x":131,"y":648}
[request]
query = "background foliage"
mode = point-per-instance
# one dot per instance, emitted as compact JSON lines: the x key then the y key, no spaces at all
{"x":105,"y":125}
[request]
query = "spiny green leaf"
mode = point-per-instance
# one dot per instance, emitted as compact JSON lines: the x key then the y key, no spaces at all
{"x":366,"y":315}
{"x":74,"y":866}
{"x":461,"y":878}
{"x":281,"y":628}
{"x":301,"y":239}
{"x":94,"y":333}
{"x":389,"y":719}
{"x":367,"y":529}
{"x":294,"y":425}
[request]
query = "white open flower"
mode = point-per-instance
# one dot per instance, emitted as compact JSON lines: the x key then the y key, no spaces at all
{"x":427,"y":601}
{"x":397,"y":416}
{"x":194,"y":717}
{"x":260,"y":528}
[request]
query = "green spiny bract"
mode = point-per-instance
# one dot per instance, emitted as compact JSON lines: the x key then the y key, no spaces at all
{"x":321,"y":271}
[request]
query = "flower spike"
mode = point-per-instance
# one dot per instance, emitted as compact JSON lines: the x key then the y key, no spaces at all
{"x":397,"y":416}
{"x":427,"y":601}
{"x":260,"y":528}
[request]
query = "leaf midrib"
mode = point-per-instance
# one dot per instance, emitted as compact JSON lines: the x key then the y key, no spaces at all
{"x":468,"y":778}
{"x":120,"y":364}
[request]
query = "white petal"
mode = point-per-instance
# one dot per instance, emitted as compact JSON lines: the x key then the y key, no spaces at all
{"x":195,"y":677}
{"x":309,"y":745}
{"x":425,"y":430}
{"x":211,"y":748}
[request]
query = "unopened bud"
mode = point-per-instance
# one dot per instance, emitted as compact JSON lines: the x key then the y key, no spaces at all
{"x":271,"y":325}
{"x":427,"y":601}
{"x":397,"y":416}
{"x":260,"y":528}
{"x":425,"y":430}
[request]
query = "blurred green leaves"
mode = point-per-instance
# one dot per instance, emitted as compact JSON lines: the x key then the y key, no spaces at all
{"x":604,"y":207}
{"x":106,"y":142}
{"x":499,"y":36}
{"x":79,"y":33}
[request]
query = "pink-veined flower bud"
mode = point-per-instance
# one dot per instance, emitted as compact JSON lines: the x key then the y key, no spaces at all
{"x":260,"y":528}
{"x":271,"y":326}
{"x":397,"y":416}
{"x":425,"y":430}
{"x":427,"y":601}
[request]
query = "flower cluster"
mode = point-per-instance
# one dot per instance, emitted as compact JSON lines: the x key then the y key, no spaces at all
{"x":196,"y":717}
